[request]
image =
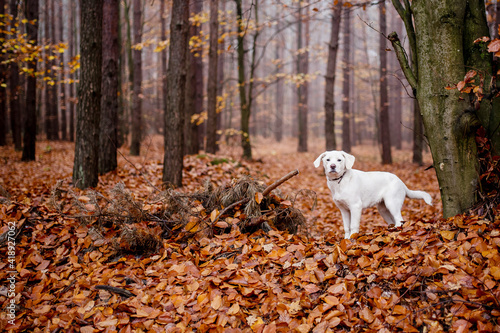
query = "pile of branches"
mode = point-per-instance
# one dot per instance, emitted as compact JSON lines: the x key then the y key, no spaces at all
{"x":139,"y":227}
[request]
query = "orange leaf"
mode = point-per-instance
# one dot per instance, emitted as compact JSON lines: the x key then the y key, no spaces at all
{"x":216,"y":302}
{"x":448,"y":234}
{"x":258,"y":197}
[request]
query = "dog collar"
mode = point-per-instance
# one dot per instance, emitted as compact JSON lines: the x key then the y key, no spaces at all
{"x":339,"y":179}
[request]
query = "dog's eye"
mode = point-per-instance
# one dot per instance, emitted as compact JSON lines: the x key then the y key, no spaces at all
{"x":339,"y":160}
{"x":328,"y":160}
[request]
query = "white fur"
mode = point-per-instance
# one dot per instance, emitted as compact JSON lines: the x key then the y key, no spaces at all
{"x":353,"y":190}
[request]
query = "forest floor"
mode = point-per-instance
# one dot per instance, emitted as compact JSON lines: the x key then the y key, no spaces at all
{"x":84,"y":267}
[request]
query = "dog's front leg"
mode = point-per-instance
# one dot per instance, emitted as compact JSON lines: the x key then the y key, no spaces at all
{"x":346,"y":219}
{"x":355,"y":218}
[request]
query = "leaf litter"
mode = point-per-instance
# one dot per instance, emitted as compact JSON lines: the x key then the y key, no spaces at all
{"x":123,"y":258}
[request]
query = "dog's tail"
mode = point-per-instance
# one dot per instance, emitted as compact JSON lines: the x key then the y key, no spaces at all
{"x":419,"y":195}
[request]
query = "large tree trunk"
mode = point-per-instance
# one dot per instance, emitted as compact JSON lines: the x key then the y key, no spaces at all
{"x":346,"y":128}
{"x":174,"y":113}
{"x":15,"y":109}
{"x":446,"y":116}
{"x":385,"y":130}
{"x":212,"y":79}
{"x":331,"y":67}
{"x":109,"y":106}
{"x":29,"y":139}
{"x":85,"y":168}
{"x":135,"y":144}
{"x":193,"y":135}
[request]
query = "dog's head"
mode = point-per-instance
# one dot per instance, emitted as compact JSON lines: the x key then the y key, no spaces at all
{"x":335,"y":162}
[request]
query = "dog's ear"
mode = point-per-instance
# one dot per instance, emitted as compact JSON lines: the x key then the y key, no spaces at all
{"x":318,"y":160}
{"x":349,"y":160}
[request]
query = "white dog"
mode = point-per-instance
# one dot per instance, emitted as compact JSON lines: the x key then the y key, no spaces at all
{"x":353,"y":190}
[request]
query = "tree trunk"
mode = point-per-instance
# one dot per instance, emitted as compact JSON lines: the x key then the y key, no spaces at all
{"x":109,"y":103}
{"x":15,"y":109}
{"x":3,"y":92}
{"x":174,"y":113}
{"x":302,"y":90}
{"x":212,"y":79}
{"x":85,"y":168}
{"x":446,"y":117}
{"x":62,"y":86}
{"x":244,"y":103}
{"x":279,"y":97}
{"x":29,"y":139}
{"x":418,"y":134}
{"x":194,"y":89}
{"x":135,"y":144}
{"x":385,"y":130}
{"x":163,"y":36}
{"x":346,"y":128}
{"x":71,"y":49}
{"x":331,"y":67}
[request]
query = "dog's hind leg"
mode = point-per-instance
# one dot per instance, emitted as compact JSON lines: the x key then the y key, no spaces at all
{"x":382,"y":209}
{"x":394,"y":207}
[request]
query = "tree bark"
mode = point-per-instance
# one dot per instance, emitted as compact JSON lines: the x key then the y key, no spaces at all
{"x":331,"y":67}
{"x":85,"y":168}
{"x":212,"y":79}
{"x":446,"y":117}
{"x":29,"y":139}
{"x":346,"y":128}
{"x":135,"y":144}
{"x":174,"y":113}
{"x":109,"y":104}
{"x":385,"y":130}
{"x":194,"y":90}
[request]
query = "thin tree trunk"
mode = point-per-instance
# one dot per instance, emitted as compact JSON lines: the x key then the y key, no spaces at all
{"x":244,"y":104}
{"x":302,"y":90}
{"x":110,"y":70}
{"x":135,"y":144}
{"x":385,"y":130}
{"x":346,"y":128}
{"x":15,"y":109}
{"x":71,"y":98}
{"x":163,"y":36}
{"x":194,"y":89}
{"x":29,"y":139}
{"x":212,"y":79}
{"x":174,"y":113}
{"x":279,"y":98}
{"x":331,"y":67}
{"x":62,"y":86}
{"x":85,"y":168}
{"x":418,"y":134}
{"x":220,"y":73}
{"x":3,"y":92}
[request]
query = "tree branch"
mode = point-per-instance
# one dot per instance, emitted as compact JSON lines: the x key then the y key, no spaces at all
{"x":403,"y":60}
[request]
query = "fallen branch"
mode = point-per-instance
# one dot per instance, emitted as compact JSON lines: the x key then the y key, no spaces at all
{"x":116,"y":290}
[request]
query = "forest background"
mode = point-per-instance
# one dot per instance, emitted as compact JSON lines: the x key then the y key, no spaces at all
{"x":150,"y":91}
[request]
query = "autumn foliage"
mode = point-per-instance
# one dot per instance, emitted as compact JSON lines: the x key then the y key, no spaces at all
{"x":83,"y":269}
